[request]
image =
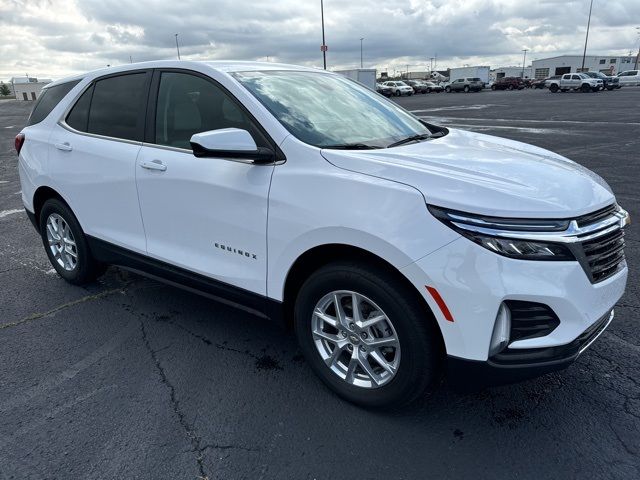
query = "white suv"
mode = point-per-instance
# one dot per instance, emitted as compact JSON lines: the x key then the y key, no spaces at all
{"x":399,"y":88}
{"x":396,"y":249}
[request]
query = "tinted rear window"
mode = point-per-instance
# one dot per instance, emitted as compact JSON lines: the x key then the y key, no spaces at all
{"x":49,"y":98}
{"x":78,"y":117}
{"x":117,"y":106}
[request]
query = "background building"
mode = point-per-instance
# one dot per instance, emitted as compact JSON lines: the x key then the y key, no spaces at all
{"x":27,"y":88}
{"x":611,"y":65}
{"x":502,"y":72}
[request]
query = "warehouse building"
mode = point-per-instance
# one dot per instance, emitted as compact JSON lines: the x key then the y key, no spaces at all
{"x":502,"y":72}
{"x":27,"y":88}
{"x":610,"y":65}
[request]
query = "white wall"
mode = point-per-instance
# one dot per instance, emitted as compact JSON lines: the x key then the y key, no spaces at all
{"x":28,"y":89}
{"x":557,"y":65}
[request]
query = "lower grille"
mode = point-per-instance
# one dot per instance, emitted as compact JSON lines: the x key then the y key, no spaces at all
{"x":605,"y":254}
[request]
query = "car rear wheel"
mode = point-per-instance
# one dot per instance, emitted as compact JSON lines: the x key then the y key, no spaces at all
{"x":447,"y":89}
{"x":510,"y":87}
{"x":553,"y":88}
{"x":366,"y":336}
{"x":493,"y":87}
{"x":466,"y":89}
{"x":66,"y":245}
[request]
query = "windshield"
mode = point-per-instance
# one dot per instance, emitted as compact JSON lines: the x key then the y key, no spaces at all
{"x":330,"y":110}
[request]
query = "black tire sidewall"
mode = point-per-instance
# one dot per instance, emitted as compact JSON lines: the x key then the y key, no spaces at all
{"x":85,"y":266}
{"x":419,"y":345}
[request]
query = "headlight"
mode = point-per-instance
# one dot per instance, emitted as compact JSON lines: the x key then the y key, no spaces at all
{"x":496,"y":234}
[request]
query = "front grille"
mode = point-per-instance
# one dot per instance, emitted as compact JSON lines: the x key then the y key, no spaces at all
{"x":593,"y":217}
{"x":604,"y":255}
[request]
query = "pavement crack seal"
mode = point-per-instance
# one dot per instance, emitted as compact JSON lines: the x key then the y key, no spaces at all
{"x":194,"y":439}
{"x":53,"y":311}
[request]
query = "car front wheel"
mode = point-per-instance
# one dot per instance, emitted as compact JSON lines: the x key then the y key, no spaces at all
{"x":66,"y":245}
{"x":447,"y":89}
{"x":367,"y":337}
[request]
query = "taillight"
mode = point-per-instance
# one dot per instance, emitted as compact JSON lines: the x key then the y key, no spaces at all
{"x":19,"y":142}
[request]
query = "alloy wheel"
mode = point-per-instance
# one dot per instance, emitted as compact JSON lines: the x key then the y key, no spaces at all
{"x":355,"y":339}
{"x":62,"y":242}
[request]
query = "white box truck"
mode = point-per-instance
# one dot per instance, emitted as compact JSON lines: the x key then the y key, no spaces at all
{"x":366,"y":76}
{"x":470,"y":72}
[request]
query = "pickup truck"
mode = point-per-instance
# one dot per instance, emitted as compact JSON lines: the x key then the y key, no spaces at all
{"x":575,"y":81}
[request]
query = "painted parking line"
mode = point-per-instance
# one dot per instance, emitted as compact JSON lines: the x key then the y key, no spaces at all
{"x":6,"y":213}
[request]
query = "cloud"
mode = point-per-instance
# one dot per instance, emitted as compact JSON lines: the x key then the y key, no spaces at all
{"x":52,"y":38}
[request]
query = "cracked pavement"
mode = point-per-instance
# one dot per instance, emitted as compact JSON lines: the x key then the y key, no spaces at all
{"x":130,"y":378}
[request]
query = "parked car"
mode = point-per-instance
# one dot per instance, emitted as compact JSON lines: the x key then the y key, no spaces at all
{"x":548,"y":80}
{"x":464,"y":85}
{"x":575,"y":81}
{"x":508,"y":83}
{"x":607,"y":82}
{"x":396,"y":248}
{"x":399,"y":88}
{"x":433,"y":87}
{"x":384,"y":90}
{"x":539,"y":83}
{"x":418,"y":87}
{"x":629,"y":77}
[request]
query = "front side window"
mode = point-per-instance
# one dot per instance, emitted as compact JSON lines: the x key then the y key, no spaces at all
{"x":189,"y":104}
{"x":49,"y":98}
{"x":329,"y":110}
{"x":117,"y":106}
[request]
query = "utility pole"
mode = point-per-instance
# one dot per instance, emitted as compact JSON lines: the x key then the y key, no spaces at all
{"x":177,"y":47}
{"x":638,"y":55}
{"x":361,"y":51}
{"x":524,"y":59}
{"x":586,"y":38}
{"x":130,"y":59}
{"x":324,"y":47}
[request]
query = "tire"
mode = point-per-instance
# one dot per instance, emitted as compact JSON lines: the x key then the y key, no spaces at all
{"x":493,"y":87}
{"x":585,"y":88}
{"x":447,"y":89}
{"x":466,"y":89}
{"x":397,"y":93}
{"x":510,"y":87}
{"x":428,"y":90}
{"x":610,"y":88}
{"x":69,"y":235}
{"x":553,"y":88}
{"x":419,"y":348}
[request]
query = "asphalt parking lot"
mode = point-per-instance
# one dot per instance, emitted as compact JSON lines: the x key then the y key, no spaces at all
{"x":130,"y":378}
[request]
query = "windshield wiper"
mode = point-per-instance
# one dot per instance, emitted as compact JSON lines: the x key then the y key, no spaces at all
{"x":351,"y":146}
{"x":412,"y":138}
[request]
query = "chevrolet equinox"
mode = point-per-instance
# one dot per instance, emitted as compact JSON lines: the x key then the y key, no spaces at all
{"x":397,"y":250}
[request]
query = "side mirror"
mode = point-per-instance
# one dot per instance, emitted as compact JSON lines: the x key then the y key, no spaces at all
{"x":230,"y":143}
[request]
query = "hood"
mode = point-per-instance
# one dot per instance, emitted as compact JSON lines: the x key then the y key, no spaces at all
{"x":483,"y":174}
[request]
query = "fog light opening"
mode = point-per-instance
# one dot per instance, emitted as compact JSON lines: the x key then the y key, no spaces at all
{"x":501,"y":330}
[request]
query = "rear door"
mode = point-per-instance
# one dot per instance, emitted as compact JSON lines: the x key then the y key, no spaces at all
{"x":93,"y":152}
{"x":206,"y":215}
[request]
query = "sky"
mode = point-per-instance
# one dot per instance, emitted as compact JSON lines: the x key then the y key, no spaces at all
{"x":55,"y":38}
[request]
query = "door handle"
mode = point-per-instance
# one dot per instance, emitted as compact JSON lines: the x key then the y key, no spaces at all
{"x":65,"y":147}
{"x":154,"y":165}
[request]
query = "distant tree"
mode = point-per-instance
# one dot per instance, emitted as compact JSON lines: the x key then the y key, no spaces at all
{"x":4,"y":90}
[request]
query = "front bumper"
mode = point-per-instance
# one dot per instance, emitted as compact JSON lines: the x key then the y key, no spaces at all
{"x":473,"y":282}
{"x":515,"y":365}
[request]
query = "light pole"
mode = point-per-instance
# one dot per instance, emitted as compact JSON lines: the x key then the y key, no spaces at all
{"x":177,"y":47}
{"x":361,"y":51}
{"x":524,"y":59}
{"x":324,"y":47}
{"x":638,"y":55}
{"x":584,"y":54}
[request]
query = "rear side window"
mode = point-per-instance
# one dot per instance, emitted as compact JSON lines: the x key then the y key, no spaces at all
{"x":49,"y":98}
{"x":116,"y":108}
{"x":78,"y":117}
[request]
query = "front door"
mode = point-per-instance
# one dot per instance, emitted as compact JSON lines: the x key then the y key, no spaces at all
{"x":206,"y":215}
